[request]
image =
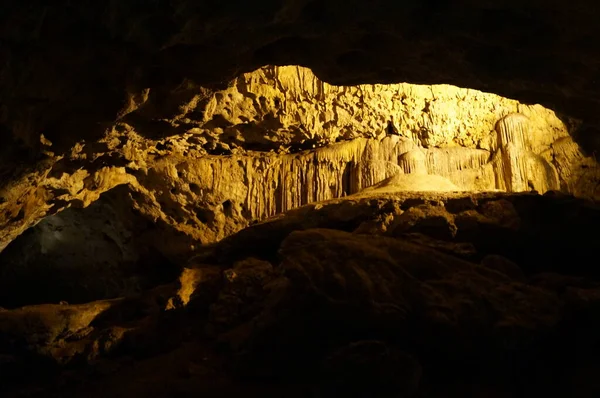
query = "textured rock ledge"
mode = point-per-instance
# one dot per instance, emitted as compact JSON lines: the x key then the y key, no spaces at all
{"x":380,"y":282}
{"x":202,"y":182}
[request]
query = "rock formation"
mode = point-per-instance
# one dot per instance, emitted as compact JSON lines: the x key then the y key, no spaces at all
{"x":81,"y":255}
{"x":402,"y":307}
{"x":68,"y":70}
{"x":183,"y":215}
{"x":276,"y":139}
{"x":267,"y":143}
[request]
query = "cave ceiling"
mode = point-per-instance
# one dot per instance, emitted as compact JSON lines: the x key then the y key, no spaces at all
{"x":70,"y":69}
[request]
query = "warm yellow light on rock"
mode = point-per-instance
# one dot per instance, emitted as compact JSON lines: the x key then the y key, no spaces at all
{"x":279,"y":138}
{"x":476,"y":141}
{"x":190,"y":281}
{"x":518,"y":168}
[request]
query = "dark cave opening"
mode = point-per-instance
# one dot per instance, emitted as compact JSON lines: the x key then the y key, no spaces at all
{"x":80,"y":255}
{"x":228,"y":208}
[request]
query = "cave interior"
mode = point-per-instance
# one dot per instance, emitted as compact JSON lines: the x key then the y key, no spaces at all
{"x":299,"y":198}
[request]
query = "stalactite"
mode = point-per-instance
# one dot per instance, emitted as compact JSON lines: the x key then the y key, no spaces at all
{"x":567,"y":159}
{"x":520,"y":168}
{"x":267,"y":184}
{"x":447,"y":160}
{"x":513,"y":128}
{"x":270,"y":184}
{"x":541,"y":175}
{"x":515,"y":171}
{"x":414,"y":162}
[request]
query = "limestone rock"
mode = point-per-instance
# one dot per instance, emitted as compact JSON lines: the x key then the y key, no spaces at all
{"x":337,"y":290}
{"x":522,"y":169}
{"x":243,"y":293}
{"x":458,"y":205}
{"x":377,"y":226}
{"x":433,"y":221}
{"x":153,"y":97}
{"x":84,"y":254}
{"x":349,"y":308}
{"x":280,"y":33}
{"x":418,"y":183}
{"x":505,"y":266}
{"x":464,"y":250}
{"x":269,"y":143}
{"x":461,"y":148}
{"x":63,"y":334}
{"x":199,"y":285}
{"x":294,"y":103}
{"x":493,"y":215}
{"x":511,"y":226}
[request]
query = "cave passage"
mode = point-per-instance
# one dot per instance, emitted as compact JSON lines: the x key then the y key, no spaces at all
{"x":80,"y":255}
{"x":299,"y":199}
{"x":284,"y":232}
{"x":273,"y":140}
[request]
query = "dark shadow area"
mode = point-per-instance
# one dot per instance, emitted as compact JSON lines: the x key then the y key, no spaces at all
{"x":84,"y":254}
{"x":318,"y":304}
{"x":555,"y":234}
{"x":588,"y":137}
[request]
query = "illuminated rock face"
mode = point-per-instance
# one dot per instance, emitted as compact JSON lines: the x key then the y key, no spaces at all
{"x":279,"y":138}
{"x":519,"y":168}
{"x":275,"y":106}
{"x":478,"y":141}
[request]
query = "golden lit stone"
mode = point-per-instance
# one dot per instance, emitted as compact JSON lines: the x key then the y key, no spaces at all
{"x":278,"y":138}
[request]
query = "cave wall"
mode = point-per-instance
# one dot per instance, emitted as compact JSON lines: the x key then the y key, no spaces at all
{"x":103,"y":251}
{"x":289,"y":104}
{"x":72,"y":71}
{"x":136,"y":95}
{"x":69,"y":69}
{"x":279,"y":137}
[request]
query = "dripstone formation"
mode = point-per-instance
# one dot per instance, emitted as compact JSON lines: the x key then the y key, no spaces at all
{"x":185,"y":211}
{"x":279,"y":138}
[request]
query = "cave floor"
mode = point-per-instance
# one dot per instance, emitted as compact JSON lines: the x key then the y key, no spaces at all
{"x":372,"y":295}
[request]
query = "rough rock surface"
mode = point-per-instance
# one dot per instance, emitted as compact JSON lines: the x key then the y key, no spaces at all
{"x":70,"y":73}
{"x":513,"y":226}
{"x":418,"y":293}
{"x":290,"y":105}
{"x":204,"y":182}
{"x":69,"y":69}
{"x":79,"y":255}
{"x":365,"y":313}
